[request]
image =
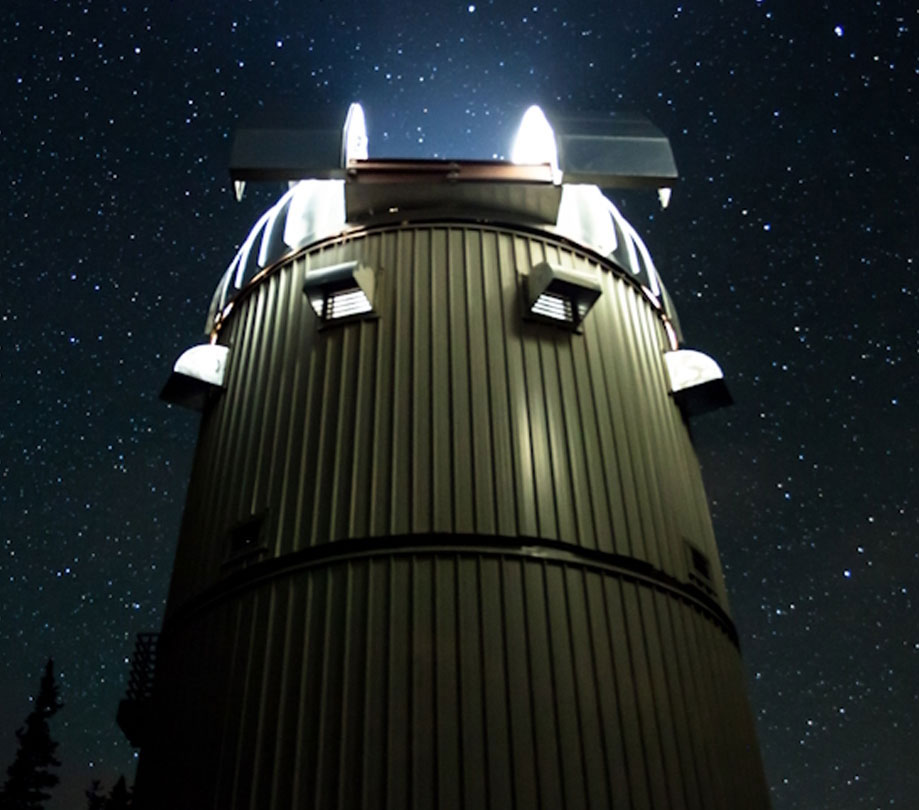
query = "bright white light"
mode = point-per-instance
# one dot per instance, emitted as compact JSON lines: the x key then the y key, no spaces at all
{"x":550,"y":305}
{"x":355,"y":134}
{"x":534,"y":143}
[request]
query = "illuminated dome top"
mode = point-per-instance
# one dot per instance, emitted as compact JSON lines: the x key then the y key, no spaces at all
{"x":549,"y":184}
{"x":313,"y":210}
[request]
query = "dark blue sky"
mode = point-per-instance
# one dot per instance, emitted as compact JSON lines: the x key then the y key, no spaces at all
{"x":789,"y":248}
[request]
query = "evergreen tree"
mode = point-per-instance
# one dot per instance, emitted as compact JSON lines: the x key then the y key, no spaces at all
{"x":120,"y":797}
{"x":94,"y":799}
{"x":29,"y":777}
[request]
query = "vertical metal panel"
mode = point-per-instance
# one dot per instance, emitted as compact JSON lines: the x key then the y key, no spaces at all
{"x":465,"y":681}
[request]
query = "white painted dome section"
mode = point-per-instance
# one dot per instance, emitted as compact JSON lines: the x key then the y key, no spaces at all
{"x":313,"y":210}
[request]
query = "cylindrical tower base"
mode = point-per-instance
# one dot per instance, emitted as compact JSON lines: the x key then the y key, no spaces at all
{"x":451,"y":676}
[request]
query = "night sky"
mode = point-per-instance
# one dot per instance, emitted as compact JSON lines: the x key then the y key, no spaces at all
{"x":789,"y":249}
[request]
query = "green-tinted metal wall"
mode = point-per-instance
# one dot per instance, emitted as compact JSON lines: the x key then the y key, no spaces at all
{"x":475,"y":583}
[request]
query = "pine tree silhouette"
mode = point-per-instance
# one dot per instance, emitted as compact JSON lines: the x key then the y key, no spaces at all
{"x":29,"y":777}
{"x":120,"y":797}
{"x":94,"y":799}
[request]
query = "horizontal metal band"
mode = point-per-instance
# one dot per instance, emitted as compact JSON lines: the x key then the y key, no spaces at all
{"x":446,"y":545}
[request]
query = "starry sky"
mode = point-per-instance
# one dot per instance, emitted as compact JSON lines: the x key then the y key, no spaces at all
{"x":789,"y":248}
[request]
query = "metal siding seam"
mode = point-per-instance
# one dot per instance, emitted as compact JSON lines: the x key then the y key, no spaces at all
{"x":574,"y":433}
{"x":240,"y":739}
{"x":421,"y":403}
{"x":349,"y":637}
{"x":713,"y":687}
{"x":460,"y":717}
{"x":400,"y":489}
{"x":659,"y":400}
{"x":315,"y":491}
{"x":320,"y":732}
{"x":633,"y":412}
{"x":488,"y":744}
{"x":571,"y":719}
{"x":297,"y":768}
{"x":271,"y":394}
{"x":436,"y":713}
{"x":646,"y":434}
{"x":679,"y":615}
{"x":519,"y":687}
{"x":463,"y":493}
{"x":609,"y":364}
{"x":441,"y":433}
{"x":497,"y":337}
{"x":556,"y":461}
{"x":287,"y":680}
{"x":382,"y":397}
{"x":341,"y":475}
{"x":482,"y":448}
{"x":301,"y":507}
{"x":475,"y":779}
{"x":256,"y":400}
{"x":583,"y":660}
{"x":663,"y":703}
{"x":559,"y":445}
{"x":529,"y":394}
{"x":609,"y":690}
{"x":545,"y":725}
{"x":596,"y":482}
{"x":447,"y":699}
{"x":314,"y":678}
{"x":287,"y":353}
{"x":656,"y":435}
{"x":634,"y":671}
{"x":264,"y":746}
{"x":300,"y":354}
{"x":494,"y":703}
{"x":688,"y":743}
{"x":358,"y":523}
{"x":355,"y":491}
{"x":728,"y":710}
{"x":539,"y":439}
{"x":424,"y":659}
{"x":369,"y":793}
{"x":518,"y":417}
{"x":606,"y":448}
{"x":356,"y":706}
{"x":651,"y":723}
{"x":397,"y":754}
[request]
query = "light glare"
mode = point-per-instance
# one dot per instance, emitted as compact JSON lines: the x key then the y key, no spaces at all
{"x":534,"y":143}
{"x":356,"y":142}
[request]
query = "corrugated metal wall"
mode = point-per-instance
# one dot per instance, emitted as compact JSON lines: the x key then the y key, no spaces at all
{"x":466,"y":681}
{"x":449,"y":413}
{"x":541,"y":645}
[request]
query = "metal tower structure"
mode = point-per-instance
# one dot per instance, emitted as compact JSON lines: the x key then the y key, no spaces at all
{"x":446,"y":543}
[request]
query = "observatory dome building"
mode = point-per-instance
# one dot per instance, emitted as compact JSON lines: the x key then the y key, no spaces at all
{"x":446,"y":543}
